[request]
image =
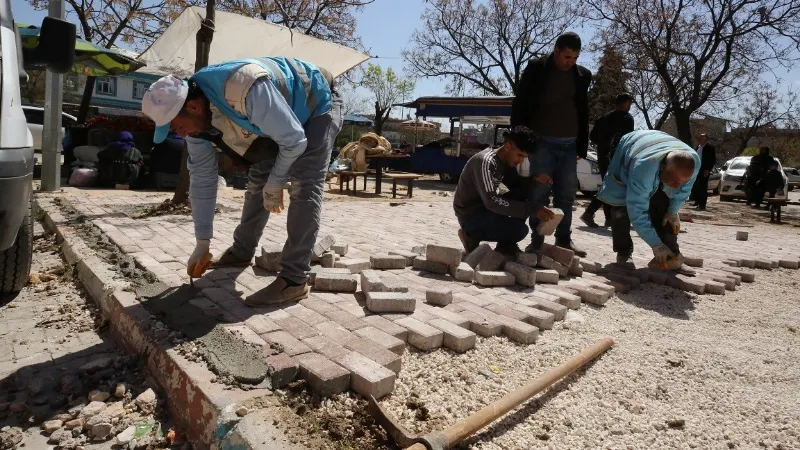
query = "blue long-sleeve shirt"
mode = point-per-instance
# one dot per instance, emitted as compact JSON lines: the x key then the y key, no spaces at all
{"x":267,"y":110}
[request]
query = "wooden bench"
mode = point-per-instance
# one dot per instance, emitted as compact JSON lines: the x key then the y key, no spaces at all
{"x":346,"y":175}
{"x":410,"y":177}
{"x":775,"y":205}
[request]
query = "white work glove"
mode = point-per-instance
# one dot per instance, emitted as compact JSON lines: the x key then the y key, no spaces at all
{"x":662,"y":254}
{"x":200,"y":250}
{"x":673,"y":221}
{"x":273,"y":199}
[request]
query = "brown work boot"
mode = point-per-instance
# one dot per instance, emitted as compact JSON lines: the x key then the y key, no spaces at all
{"x":278,"y":292}
{"x":229,"y":259}
{"x":469,"y":242}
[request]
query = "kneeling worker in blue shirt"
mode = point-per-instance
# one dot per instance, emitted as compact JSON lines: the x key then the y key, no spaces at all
{"x":243,"y":108}
{"x":650,"y":176}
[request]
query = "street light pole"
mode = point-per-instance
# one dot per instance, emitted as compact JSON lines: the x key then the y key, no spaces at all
{"x":51,"y":139}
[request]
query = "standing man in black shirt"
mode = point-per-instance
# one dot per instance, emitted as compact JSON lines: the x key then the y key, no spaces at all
{"x":708,"y":157}
{"x":551,"y":99}
{"x":606,"y":133}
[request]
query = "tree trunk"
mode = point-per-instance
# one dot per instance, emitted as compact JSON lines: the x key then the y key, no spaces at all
{"x":380,"y":118}
{"x":204,"y":36}
{"x":88,"y":90}
{"x":683,"y":126}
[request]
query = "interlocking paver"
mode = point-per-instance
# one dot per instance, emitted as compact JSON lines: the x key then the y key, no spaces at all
{"x":421,"y":335}
{"x":455,"y":337}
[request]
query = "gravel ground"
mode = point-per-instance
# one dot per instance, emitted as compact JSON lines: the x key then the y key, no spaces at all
{"x":687,"y":371}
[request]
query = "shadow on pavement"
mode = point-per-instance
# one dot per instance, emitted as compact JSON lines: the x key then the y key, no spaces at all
{"x":668,"y":302}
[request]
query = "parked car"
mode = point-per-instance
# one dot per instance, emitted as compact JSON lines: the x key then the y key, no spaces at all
{"x":731,"y":185}
{"x":714,"y":180}
{"x":34,"y":116}
{"x":794,"y":177}
{"x":589,"y":179}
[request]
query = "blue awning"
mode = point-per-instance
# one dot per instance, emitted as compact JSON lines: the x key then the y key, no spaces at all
{"x":350,"y":119}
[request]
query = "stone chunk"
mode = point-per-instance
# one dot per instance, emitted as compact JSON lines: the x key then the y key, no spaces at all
{"x":92,"y":409}
{"x":494,"y":278}
{"x":440,"y":296}
{"x":491,"y":261}
{"x":323,"y":245}
{"x":422,"y":263}
{"x":547,"y":228}
{"x":340,"y":249}
{"x":270,"y":258}
{"x":528,"y":259}
{"x":547,"y":276}
{"x":462,"y":272}
{"x":455,"y":337}
{"x":742,"y":235}
{"x":409,"y":256}
{"x":477,"y":255}
{"x":371,"y":281}
{"x":328,"y":259}
{"x":323,"y":375}
{"x":391,"y":302}
{"x":549,"y":263}
{"x":282,"y":369}
{"x":146,"y":401}
{"x":575,"y":269}
{"x":366,"y":376}
{"x":523,"y":274}
{"x":335,"y":282}
{"x":51,"y":425}
{"x":386,"y":262}
{"x":449,"y":256}
{"x":354,"y":265}
{"x":312,"y":275}
{"x":421,"y":335}
{"x":101,"y":431}
{"x":98,"y":396}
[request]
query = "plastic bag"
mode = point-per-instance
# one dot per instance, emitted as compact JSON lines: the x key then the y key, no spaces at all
{"x":83,"y":177}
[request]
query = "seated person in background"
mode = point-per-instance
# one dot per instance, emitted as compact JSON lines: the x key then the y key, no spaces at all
{"x":119,"y":163}
{"x":485,"y":215}
{"x":770,"y":183}
{"x":166,"y":156}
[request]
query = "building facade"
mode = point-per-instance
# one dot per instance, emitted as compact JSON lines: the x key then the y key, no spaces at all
{"x":123,"y":92}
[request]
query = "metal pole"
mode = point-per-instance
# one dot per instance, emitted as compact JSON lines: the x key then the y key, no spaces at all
{"x":51,"y":132}
{"x":460,"y":129}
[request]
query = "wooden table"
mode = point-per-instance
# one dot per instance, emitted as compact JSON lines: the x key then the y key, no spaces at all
{"x":379,"y":167}
{"x":409,"y":177}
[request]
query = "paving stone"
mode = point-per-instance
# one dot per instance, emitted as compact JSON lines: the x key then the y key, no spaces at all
{"x":270,"y":258}
{"x":354,"y":265}
{"x":455,"y":337}
{"x":318,"y":305}
{"x":327,"y":260}
{"x":463,"y":272}
{"x":747,"y":277}
{"x":307,"y":315}
{"x":507,"y":310}
{"x":345,"y":320}
{"x":390,"y":302}
{"x":335,"y":282}
{"x":439,"y":296}
{"x":371,"y":281}
{"x":366,"y":376}
{"x":387,"y":326}
{"x":383,"y":339}
{"x":542,"y":320}
{"x":477,"y":255}
{"x":763,"y":264}
{"x":449,"y":316}
{"x":387,"y":262}
{"x":523,"y":275}
{"x":591,"y":295}
{"x":340,"y":249}
{"x":567,"y":299}
{"x":621,"y":276}
{"x":723,"y":274}
{"x":712,"y":287}
{"x":692,"y":262}
{"x":749,"y":263}
{"x":742,"y":235}
{"x":491,"y":261}
{"x":326,"y":346}
{"x":518,"y":331}
{"x":286,"y":342}
{"x":558,"y":311}
{"x":657,"y":276}
{"x":297,"y":327}
{"x":323,"y":245}
{"x":419,"y":249}
{"x":409,"y":256}
{"x":547,"y":228}
{"x":685,"y":283}
{"x":449,"y":256}
{"x":619,"y":286}
{"x":373,"y":351}
{"x":312,"y":275}
{"x":244,"y":333}
{"x":421,"y":335}
{"x":729,"y":283}
{"x":462,"y":297}
{"x":494,"y":278}
{"x":394,"y":286}
{"x":261,"y":324}
{"x":789,"y":264}
{"x":282,"y":369}
{"x":547,"y":276}
{"x":603,"y":285}
{"x":551,"y":264}
{"x":422,"y":263}
{"x":563,"y":256}
{"x":324,"y":376}
{"x":590,"y":266}
{"x":528,"y":259}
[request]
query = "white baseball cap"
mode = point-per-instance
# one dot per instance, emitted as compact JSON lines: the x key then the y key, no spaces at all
{"x":163,"y":101}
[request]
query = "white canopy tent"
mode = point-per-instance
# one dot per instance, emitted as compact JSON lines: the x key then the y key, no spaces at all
{"x":239,"y":37}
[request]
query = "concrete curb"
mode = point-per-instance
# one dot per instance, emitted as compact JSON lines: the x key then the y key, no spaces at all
{"x":205,"y":410}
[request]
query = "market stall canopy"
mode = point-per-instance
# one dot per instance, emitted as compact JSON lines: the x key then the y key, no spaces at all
{"x":461,"y":106}
{"x":419,"y":125}
{"x":351,"y":119}
{"x":240,"y":37}
{"x":90,"y":59}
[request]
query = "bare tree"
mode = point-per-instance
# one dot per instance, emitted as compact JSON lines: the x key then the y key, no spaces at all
{"x":387,"y":88}
{"x":763,"y":108}
{"x":704,"y":52}
{"x":482,"y":46}
{"x":352,"y":102}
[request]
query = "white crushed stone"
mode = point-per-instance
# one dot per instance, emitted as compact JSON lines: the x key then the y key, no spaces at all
{"x":688,"y":371}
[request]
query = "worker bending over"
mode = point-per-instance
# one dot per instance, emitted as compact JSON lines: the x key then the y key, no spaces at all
{"x":650,"y":176}
{"x":244,"y":108}
{"x":483,"y":213}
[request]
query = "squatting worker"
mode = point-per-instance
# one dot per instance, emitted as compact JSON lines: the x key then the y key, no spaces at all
{"x":483,"y":213}
{"x":650,"y":176}
{"x":243,"y":108}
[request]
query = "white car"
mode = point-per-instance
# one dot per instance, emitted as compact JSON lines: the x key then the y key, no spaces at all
{"x":34,"y":115}
{"x":589,"y":176}
{"x":794,"y":177}
{"x":731,"y":185}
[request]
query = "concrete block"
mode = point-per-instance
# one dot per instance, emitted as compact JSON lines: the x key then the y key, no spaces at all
{"x":324,"y":376}
{"x":503,"y":308}
{"x":297,"y":327}
{"x":449,"y":256}
{"x":270,"y":258}
{"x":440,"y":296}
{"x":419,"y":249}
{"x":788,"y":264}
{"x":387,"y":326}
{"x":354,"y":265}
{"x":491,"y":261}
{"x":394,"y":286}
{"x":454,"y":337}
{"x":366,"y":376}
{"x":590,"y":294}
{"x":749,"y":263}
{"x":409,"y":256}
{"x":463,"y":272}
{"x":542,"y":320}
{"x":712,"y":287}
{"x":528,"y":259}
{"x":477,"y":255}
{"x":547,"y":276}
{"x":281,"y":340}
{"x":567,"y":299}
{"x":421,"y":335}
{"x":590,"y":266}
{"x":763,"y":264}
{"x":422,"y":263}
{"x":449,"y":316}
{"x":685,"y":283}
{"x":547,"y":228}
{"x":523,"y":275}
{"x":729,"y":282}
{"x":312,"y":275}
{"x":549,"y":263}
{"x":693,"y":262}
{"x":390,"y":302}
{"x":323,"y":245}
{"x":657,"y":276}
{"x":387,"y":262}
{"x":462,"y":297}
{"x":742,"y":235}
{"x":282,"y":369}
{"x":494,"y":278}
{"x":335,"y":282}
{"x":575,"y":270}
{"x":371,"y":281}
{"x":373,"y":351}
{"x":328,"y":259}
{"x":558,"y":311}
{"x":518,"y":331}
{"x":481,"y":324}
{"x":563,"y":256}
{"x":340,"y":249}
{"x":747,"y":277}
{"x":382,"y":338}
{"x":601,"y":285}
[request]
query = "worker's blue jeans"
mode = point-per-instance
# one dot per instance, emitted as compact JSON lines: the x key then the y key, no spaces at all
{"x":307,"y":177}
{"x":492,"y":227}
{"x":559,"y":161}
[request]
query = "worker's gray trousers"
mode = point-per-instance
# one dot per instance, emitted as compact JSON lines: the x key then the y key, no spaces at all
{"x":307,"y":177}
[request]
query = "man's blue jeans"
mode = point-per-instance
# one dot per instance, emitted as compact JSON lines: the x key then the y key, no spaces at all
{"x":493,"y":227}
{"x":559,"y":162}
